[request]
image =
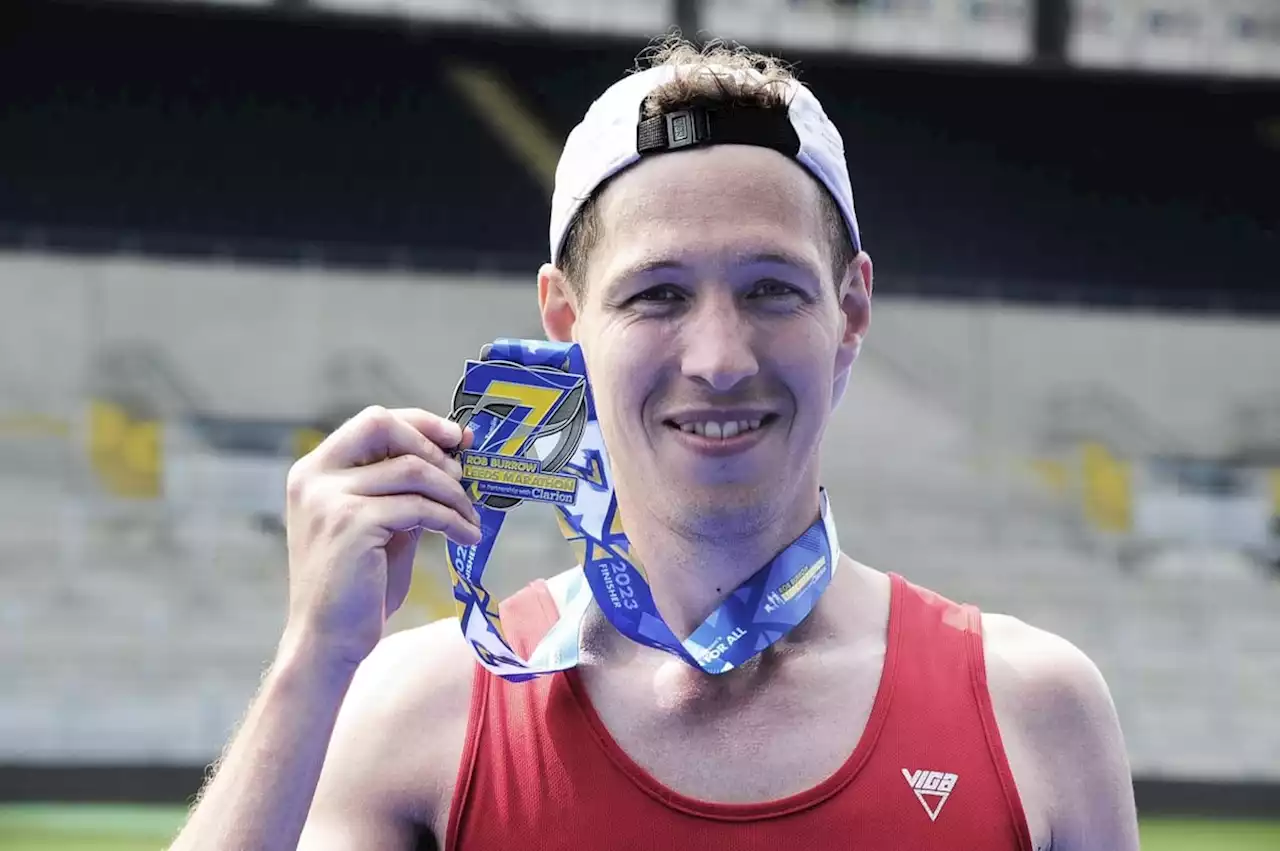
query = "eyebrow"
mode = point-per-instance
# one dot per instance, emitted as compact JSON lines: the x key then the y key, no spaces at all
{"x":776,"y":258}
{"x":649,"y":267}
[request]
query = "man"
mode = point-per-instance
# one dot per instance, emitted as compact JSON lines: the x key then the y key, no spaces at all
{"x":712,"y":272}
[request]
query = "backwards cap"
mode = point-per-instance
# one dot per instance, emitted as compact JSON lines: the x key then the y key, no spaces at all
{"x":612,"y":136}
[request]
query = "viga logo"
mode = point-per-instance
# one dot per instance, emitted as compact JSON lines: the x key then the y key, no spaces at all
{"x":932,"y":788}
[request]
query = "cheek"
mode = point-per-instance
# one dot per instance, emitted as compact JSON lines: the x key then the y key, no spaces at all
{"x":618,"y":369}
{"x":807,"y":365}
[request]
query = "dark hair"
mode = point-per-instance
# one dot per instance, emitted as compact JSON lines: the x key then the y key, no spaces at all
{"x":701,"y":82}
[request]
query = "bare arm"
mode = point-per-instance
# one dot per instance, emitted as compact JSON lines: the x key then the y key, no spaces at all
{"x":395,"y":752}
{"x":356,"y":507}
{"x":1060,"y":706}
{"x":262,"y":790}
{"x":1096,"y":789}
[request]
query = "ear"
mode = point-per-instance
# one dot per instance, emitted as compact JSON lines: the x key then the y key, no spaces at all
{"x":557,"y":304}
{"x":855,"y":311}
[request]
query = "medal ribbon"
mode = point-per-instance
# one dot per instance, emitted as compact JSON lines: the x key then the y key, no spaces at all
{"x":537,"y":438}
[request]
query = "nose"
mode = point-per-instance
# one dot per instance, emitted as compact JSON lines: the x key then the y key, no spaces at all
{"x":717,"y":342}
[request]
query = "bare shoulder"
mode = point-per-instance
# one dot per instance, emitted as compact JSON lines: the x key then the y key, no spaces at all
{"x":1048,"y":688}
{"x":1044,"y":670}
{"x":400,"y":734}
{"x":1061,"y":733}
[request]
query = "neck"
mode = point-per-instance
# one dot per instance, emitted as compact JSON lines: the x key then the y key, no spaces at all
{"x":852,"y":614}
{"x":693,"y":567}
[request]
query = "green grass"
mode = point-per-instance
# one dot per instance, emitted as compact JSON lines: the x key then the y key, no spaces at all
{"x":58,"y":827}
{"x":107,"y":827}
{"x":1179,"y":834}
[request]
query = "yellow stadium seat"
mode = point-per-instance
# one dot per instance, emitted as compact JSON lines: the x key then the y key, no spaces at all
{"x":1108,"y":489}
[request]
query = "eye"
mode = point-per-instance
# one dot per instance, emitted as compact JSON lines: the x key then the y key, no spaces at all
{"x":772,"y":288}
{"x":662,"y":294}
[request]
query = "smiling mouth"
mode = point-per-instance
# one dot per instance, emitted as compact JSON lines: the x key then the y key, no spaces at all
{"x":723,"y":429}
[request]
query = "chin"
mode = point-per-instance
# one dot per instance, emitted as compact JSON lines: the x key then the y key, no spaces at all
{"x":739,"y":504}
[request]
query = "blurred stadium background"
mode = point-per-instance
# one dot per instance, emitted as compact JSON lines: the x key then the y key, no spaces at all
{"x":227,"y":226}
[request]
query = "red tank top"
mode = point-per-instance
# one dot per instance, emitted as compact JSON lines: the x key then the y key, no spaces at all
{"x":541,"y":772}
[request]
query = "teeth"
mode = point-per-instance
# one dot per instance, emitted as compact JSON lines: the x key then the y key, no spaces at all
{"x":720,"y":431}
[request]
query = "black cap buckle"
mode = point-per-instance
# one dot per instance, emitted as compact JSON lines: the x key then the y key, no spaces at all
{"x":682,"y":130}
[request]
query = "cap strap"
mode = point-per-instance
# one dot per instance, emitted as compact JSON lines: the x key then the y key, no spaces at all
{"x":765,"y":127}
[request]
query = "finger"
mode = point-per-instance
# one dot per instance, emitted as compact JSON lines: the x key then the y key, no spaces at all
{"x":405,"y":511}
{"x":442,"y":431}
{"x":409,"y":474}
{"x":372,"y":435}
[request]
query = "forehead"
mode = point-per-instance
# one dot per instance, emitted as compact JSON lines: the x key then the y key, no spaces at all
{"x":711,"y":202}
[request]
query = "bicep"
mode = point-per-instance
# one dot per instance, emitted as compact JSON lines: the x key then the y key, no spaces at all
{"x":384,"y":774}
{"x":1059,"y":709}
{"x":355,"y":808}
{"x":335,"y":824}
{"x":1095,"y":791}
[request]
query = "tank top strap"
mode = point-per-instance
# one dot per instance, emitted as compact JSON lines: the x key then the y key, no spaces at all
{"x":528,"y":615}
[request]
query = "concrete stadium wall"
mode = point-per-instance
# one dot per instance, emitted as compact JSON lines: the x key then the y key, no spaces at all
{"x":257,"y":340}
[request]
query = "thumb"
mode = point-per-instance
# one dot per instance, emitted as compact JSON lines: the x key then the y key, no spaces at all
{"x":401,"y":550}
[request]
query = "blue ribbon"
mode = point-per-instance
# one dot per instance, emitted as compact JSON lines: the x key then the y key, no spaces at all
{"x":537,"y":438}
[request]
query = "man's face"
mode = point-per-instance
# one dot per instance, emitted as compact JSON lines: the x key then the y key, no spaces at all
{"x":713,"y":331}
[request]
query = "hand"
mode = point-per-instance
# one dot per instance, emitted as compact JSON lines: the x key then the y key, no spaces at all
{"x":356,"y":507}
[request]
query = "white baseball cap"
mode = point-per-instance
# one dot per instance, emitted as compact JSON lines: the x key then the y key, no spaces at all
{"x":611,"y":137}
